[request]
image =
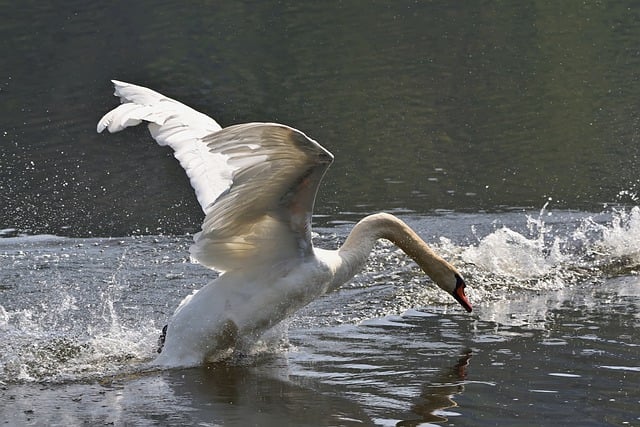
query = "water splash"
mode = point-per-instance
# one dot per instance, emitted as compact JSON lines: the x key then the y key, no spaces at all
{"x":85,"y":308}
{"x":542,"y":256}
{"x":518,"y":277}
{"x":35,"y":350}
{"x":61,"y":320}
{"x":620,"y":238}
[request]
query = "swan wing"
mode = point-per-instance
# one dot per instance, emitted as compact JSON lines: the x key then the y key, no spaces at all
{"x":255,"y":182}
{"x":265,"y":215}
{"x":180,"y":127}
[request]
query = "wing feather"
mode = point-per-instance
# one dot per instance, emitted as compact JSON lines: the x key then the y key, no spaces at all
{"x":178,"y":126}
{"x":266,"y":214}
{"x":256,"y":182}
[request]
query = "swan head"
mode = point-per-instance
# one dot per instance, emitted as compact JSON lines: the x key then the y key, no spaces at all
{"x":453,"y":283}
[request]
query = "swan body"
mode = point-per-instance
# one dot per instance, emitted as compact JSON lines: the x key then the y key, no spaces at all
{"x":256,"y":184}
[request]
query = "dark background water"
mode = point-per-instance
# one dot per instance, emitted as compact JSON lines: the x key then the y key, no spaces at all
{"x":427,"y":106}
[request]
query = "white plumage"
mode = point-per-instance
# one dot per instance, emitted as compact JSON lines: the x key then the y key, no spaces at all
{"x":256,"y":184}
{"x":178,"y":126}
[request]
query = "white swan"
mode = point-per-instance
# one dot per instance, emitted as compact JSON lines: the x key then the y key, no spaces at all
{"x":256,"y":183}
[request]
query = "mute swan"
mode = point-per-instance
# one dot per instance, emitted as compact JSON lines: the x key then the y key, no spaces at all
{"x":256,"y":183}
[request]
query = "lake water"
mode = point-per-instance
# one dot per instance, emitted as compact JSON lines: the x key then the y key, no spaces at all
{"x":507,"y":135}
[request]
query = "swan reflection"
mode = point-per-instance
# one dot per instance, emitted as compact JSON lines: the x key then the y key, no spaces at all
{"x":437,"y":396}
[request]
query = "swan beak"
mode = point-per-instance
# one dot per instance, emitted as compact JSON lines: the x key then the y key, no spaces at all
{"x":459,"y":295}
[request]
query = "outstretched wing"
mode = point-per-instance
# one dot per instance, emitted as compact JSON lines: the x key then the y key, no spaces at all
{"x":178,"y":126}
{"x":256,"y":182}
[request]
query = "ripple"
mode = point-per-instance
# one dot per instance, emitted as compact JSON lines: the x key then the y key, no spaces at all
{"x":621,"y":368}
{"x":563,"y":374}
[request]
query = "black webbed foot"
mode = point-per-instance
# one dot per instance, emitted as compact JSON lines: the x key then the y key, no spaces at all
{"x":162,"y":338}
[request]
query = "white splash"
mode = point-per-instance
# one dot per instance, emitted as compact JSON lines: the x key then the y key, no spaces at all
{"x":545,"y":255}
{"x":34,"y":350}
{"x":513,"y":255}
{"x":621,"y":238}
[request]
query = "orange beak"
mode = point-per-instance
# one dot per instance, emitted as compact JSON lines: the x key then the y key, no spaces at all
{"x":459,"y":295}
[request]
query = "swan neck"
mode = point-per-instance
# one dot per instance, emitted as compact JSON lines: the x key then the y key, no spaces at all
{"x":364,"y":235}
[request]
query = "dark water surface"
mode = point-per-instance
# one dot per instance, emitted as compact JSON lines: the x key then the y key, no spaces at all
{"x":427,"y":106}
{"x":465,"y":119}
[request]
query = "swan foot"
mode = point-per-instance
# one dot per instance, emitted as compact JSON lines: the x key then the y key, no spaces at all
{"x":162,"y":338}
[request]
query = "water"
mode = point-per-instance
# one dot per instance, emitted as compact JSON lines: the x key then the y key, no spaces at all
{"x":555,"y":329}
{"x":505,"y":134}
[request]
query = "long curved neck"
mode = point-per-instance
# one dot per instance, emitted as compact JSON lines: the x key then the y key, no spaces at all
{"x":358,"y":246}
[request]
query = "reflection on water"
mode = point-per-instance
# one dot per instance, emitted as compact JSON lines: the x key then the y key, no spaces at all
{"x":217,"y":394}
{"x":438,"y":396}
{"x":213,"y":395}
